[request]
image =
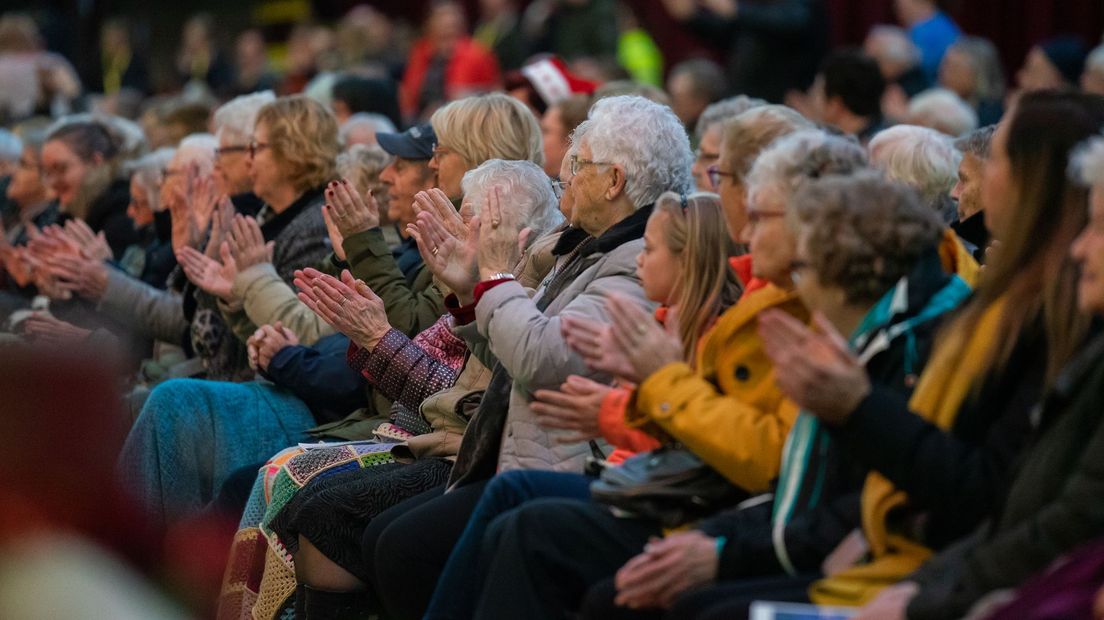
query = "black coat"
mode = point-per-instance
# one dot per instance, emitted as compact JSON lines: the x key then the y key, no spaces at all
{"x":1054,"y":503}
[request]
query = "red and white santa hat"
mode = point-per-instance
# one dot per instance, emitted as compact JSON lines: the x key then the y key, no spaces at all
{"x":553,"y":82}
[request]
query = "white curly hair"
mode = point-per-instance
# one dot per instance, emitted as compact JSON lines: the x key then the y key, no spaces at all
{"x":921,"y":158}
{"x":523,"y":185}
{"x":645,"y":139}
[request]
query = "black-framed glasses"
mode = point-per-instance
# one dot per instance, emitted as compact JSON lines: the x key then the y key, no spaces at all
{"x":559,"y":187}
{"x":577,"y":164}
{"x":255,"y":146}
{"x":226,"y":150}
{"x":715,"y":173}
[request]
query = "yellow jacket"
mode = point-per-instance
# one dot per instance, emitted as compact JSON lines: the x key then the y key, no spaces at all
{"x":730,"y":412}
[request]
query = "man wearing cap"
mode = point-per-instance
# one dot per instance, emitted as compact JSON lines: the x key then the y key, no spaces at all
{"x":397,"y":276}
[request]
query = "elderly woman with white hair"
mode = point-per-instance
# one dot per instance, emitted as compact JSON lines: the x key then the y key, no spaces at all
{"x":233,"y":124}
{"x":316,"y":516}
{"x":922,"y":159}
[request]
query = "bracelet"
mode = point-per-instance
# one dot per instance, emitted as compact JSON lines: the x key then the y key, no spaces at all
{"x":502,"y":275}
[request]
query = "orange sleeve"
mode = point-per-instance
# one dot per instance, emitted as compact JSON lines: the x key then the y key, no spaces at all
{"x":612,"y":425}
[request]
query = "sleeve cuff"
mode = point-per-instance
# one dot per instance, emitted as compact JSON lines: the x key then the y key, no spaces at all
{"x":357,"y":357}
{"x":487,"y":285}
{"x":461,"y":315}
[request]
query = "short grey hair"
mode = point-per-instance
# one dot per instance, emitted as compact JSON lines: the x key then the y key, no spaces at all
{"x":977,"y":142}
{"x":362,"y":164}
{"x":899,"y":46}
{"x":147,"y":171}
{"x":806,"y":154}
{"x":523,"y":185}
{"x":197,"y":149}
{"x":1087,"y":163}
{"x":943,"y":111}
{"x":237,"y":117}
{"x":655,"y":154}
{"x":378,"y":123}
{"x":921,"y":158}
{"x":725,"y":109}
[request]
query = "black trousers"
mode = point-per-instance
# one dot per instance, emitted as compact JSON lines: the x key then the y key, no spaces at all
{"x":724,"y":601}
{"x":408,"y":545}
{"x":542,"y":558}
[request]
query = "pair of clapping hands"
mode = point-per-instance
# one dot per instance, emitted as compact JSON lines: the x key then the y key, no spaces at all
{"x":236,"y":244}
{"x":61,"y":261}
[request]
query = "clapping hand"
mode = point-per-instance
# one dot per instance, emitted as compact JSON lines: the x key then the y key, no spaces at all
{"x":574,"y":407}
{"x":93,"y":246}
{"x":501,"y":237}
{"x":350,"y":212}
{"x":211,"y":276}
{"x":822,"y":375}
{"x":247,"y":244}
{"x":437,"y":202}
{"x":452,"y":260}
{"x":348,"y":304}
{"x":633,"y":347}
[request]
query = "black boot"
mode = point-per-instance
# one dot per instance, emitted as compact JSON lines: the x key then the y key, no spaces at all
{"x":326,"y":605}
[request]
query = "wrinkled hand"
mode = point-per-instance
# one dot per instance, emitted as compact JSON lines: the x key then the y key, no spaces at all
{"x":666,"y":569}
{"x":84,"y":276}
{"x":822,"y":374}
{"x":348,"y":304}
{"x":205,"y":199}
{"x":890,"y":604}
{"x":44,"y":328}
{"x":266,"y":342}
{"x":633,"y":347}
{"x":247,"y":244}
{"x":92,"y":245}
{"x":437,"y":202}
{"x":452,"y":261}
{"x":211,"y":276}
{"x":574,"y":407}
{"x":351,"y":213}
{"x":221,"y":223}
{"x":500,"y":237}
{"x":184,"y":232}
{"x":337,"y":240}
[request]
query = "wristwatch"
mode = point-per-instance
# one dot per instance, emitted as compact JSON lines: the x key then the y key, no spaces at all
{"x":502,"y":275}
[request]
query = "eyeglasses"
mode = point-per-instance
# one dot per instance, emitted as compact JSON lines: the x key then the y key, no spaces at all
{"x":577,"y":164}
{"x":257,"y":146}
{"x":166,"y":173}
{"x":715,"y":173}
{"x":559,"y":187}
{"x":226,"y":150}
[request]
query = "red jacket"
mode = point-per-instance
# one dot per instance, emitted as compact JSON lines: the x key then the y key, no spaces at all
{"x":471,"y":68}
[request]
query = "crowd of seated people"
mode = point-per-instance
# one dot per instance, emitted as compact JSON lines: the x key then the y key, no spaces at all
{"x":459,"y":346}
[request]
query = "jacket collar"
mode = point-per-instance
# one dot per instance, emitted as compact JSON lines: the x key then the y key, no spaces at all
{"x":629,"y":229}
{"x":570,"y":239}
{"x":973,"y":229}
{"x":276,"y":223}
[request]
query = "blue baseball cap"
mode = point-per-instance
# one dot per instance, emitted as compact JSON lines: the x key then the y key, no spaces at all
{"x":414,"y":143}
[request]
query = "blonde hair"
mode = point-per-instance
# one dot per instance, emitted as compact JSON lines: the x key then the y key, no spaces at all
{"x":697,"y":234}
{"x":493,"y":126}
{"x":751,"y":132}
{"x":302,"y":134}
